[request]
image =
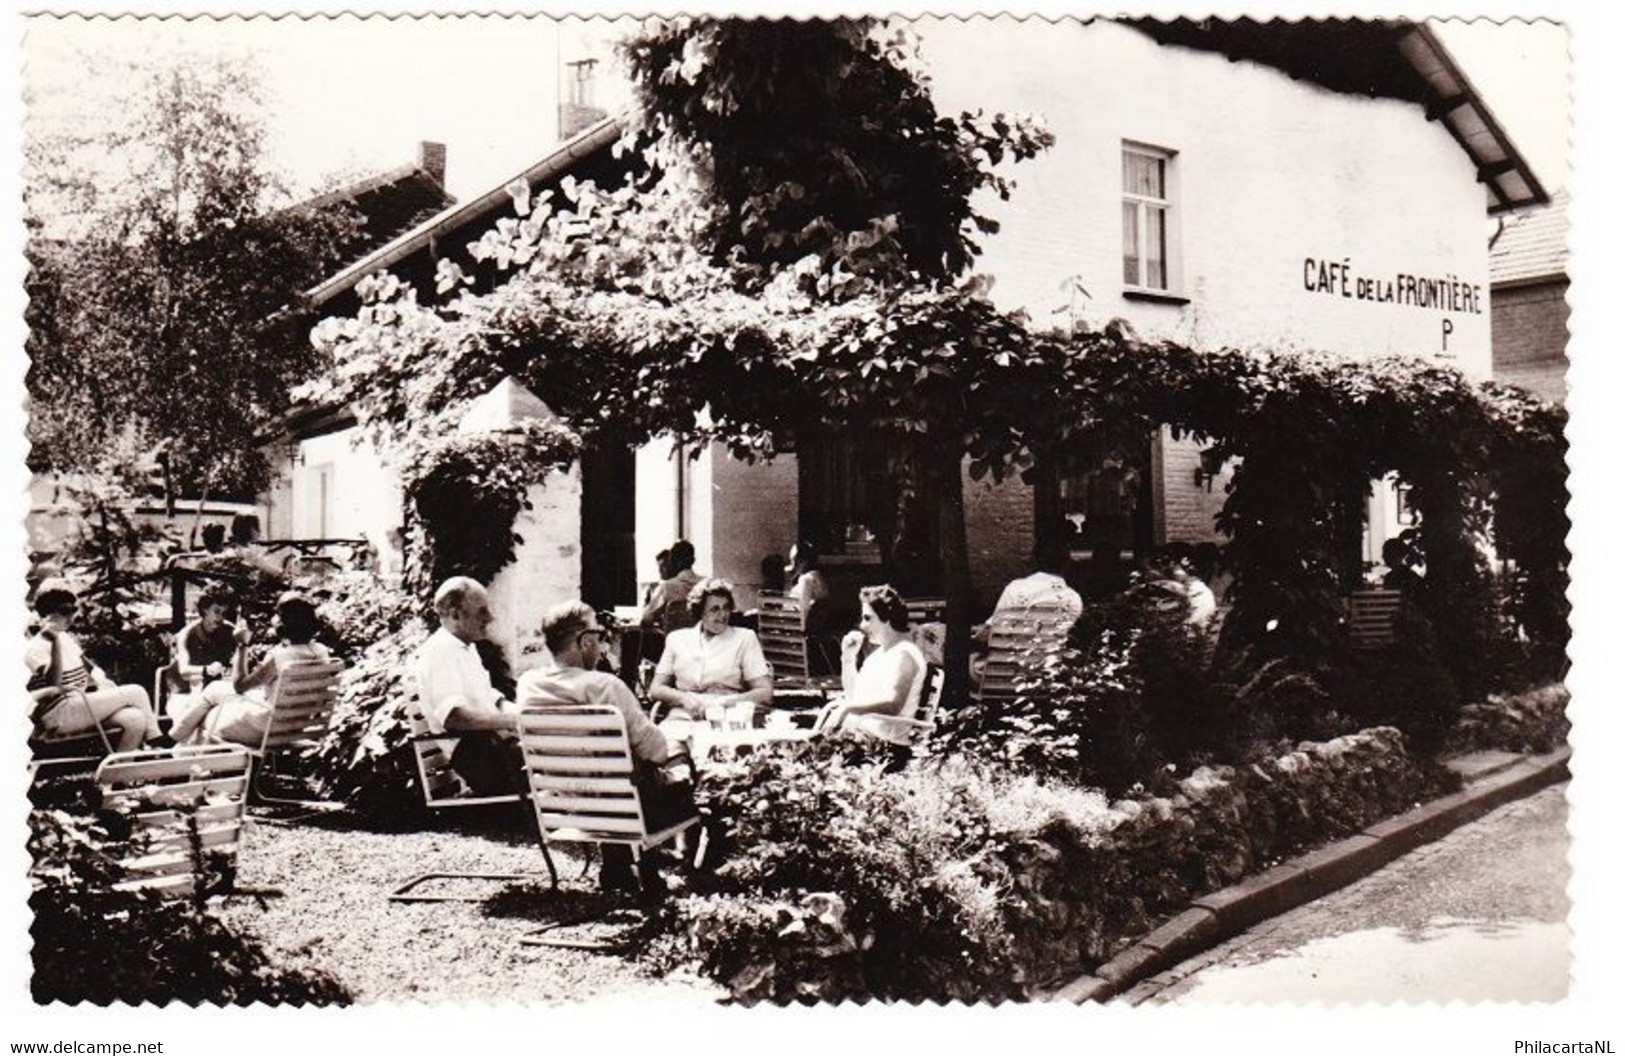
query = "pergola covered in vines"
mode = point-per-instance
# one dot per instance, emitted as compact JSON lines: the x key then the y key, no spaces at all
{"x":723,"y":294}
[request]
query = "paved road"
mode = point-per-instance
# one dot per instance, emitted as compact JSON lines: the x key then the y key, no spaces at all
{"x":1478,"y":915}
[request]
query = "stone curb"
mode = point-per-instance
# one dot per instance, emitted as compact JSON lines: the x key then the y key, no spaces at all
{"x":1223,"y":914}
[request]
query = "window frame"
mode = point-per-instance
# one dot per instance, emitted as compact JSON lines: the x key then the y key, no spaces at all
{"x":1173,"y":272}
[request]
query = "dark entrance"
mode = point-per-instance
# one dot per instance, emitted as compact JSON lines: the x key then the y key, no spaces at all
{"x":609,"y":479}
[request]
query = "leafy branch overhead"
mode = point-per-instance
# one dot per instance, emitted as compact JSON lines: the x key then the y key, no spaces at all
{"x":747,"y":292}
{"x":874,"y":182}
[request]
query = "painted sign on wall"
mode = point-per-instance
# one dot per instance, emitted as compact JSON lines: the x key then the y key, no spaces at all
{"x":1445,"y":293}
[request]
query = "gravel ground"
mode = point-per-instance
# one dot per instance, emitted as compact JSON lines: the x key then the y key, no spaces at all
{"x":335,"y":915}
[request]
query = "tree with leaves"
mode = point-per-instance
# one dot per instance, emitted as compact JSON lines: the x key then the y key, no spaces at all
{"x":165,"y":266}
{"x":792,"y":265}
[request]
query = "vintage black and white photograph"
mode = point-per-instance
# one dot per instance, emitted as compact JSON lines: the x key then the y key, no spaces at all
{"x":714,"y":510}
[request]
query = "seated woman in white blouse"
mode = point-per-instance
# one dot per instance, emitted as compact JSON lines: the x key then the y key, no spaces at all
{"x":712,"y":662}
{"x":891,"y":677}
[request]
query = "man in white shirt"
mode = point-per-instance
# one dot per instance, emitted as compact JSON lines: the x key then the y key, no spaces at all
{"x":457,"y":697}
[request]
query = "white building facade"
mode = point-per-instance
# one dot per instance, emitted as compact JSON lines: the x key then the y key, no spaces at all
{"x":1198,"y":194}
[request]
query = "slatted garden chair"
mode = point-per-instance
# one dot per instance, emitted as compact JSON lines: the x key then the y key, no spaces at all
{"x":1371,"y":615}
{"x":580,"y":764}
{"x":68,"y":751}
{"x":1016,"y":644}
{"x":784,"y":643}
{"x":912,"y":730}
{"x":301,"y":706}
{"x":925,"y":610}
{"x":444,"y":788}
{"x":186,"y":806}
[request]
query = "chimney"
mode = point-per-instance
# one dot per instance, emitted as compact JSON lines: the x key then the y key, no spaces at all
{"x":432,"y":160}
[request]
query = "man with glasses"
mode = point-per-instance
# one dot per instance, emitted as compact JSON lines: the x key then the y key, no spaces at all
{"x":456,"y":695}
{"x":663,"y":776}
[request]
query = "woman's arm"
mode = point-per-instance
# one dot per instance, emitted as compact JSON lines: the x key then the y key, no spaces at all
{"x":262,"y":674}
{"x":663,"y":689}
{"x":756,"y":691}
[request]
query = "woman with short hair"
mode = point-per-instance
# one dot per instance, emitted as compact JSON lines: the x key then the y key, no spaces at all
{"x":68,"y":693}
{"x":890,"y":679}
{"x":712,"y":661}
{"x":239,"y":710}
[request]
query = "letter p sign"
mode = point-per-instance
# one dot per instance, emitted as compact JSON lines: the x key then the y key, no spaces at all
{"x":1447,"y":328}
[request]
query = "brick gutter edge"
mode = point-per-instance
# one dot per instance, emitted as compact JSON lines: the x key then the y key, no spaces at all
{"x":1223,"y":914}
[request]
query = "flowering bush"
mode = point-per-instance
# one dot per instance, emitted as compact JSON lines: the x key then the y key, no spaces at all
{"x":94,"y":943}
{"x":954,"y":880}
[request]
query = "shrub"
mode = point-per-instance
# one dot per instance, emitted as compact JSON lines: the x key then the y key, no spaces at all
{"x":1132,"y":688}
{"x":960,"y":881}
{"x":1405,"y":684}
{"x":95,"y":943}
{"x":1536,"y":721}
{"x":365,"y":757}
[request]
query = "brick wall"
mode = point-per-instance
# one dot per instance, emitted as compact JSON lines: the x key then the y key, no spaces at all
{"x":1530,"y":337}
{"x":999,"y":533}
{"x":1185,"y":508}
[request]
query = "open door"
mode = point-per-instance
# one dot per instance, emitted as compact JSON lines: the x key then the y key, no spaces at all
{"x":608,"y":526}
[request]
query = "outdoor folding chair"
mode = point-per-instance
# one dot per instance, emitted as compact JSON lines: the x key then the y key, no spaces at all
{"x":783,"y":635}
{"x":925,"y":610}
{"x":911,"y":731}
{"x":443,"y":788}
{"x":186,"y":806}
{"x":580,"y":764}
{"x":68,"y":750}
{"x":1016,"y":643}
{"x":301,"y":705}
{"x":1371,"y":615}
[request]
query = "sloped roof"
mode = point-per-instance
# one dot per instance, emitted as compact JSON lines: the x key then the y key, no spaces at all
{"x":1532,"y":245}
{"x":452,"y":219}
{"x":388,"y":205}
{"x":1387,"y":58}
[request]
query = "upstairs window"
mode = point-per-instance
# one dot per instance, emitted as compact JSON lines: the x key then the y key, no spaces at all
{"x":1147,"y":218}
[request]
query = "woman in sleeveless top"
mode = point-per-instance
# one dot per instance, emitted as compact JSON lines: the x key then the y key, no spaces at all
{"x":240,"y":710}
{"x":889,"y":681}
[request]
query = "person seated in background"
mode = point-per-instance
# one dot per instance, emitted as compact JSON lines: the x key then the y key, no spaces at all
{"x":456,"y":696}
{"x":667,"y":607}
{"x":205,"y":650}
{"x":238,"y":710}
{"x":1401,"y":575}
{"x":773,"y":574}
{"x":68,"y":694}
{"x":1045,"y":587}
{"x":245,"y":536}
{"x":662,"y":775}
{"x":711,"y":662}
{"x":807,"y":583}
{"x":891,"y":677}
{"x":214,"y":538}
{"x":1045,"y":590}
